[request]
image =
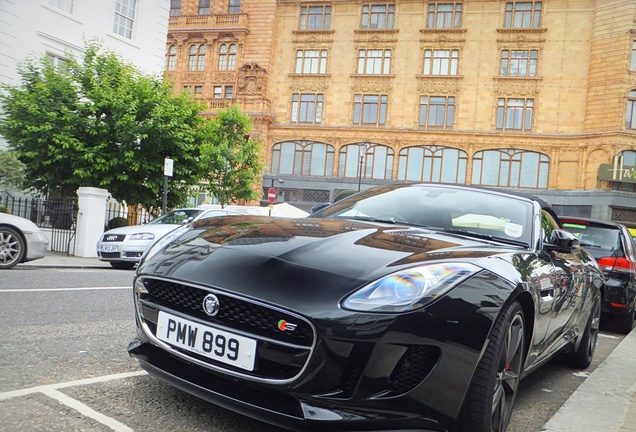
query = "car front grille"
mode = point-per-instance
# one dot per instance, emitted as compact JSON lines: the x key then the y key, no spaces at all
{"x":110,"y":254}
{"x":281,"y":354}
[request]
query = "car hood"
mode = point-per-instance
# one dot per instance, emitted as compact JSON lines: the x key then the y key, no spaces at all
{"x":160,"y":229}
{"x":283,"y":260}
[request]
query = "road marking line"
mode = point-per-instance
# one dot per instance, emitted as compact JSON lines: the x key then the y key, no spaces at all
{"x":86,"y":410}
{"x":64,"y":289}
{"x":43,"y":388}
{"x":51,"y":390}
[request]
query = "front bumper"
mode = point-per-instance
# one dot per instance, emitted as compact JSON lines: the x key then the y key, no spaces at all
{"x":37,"y":244}
{"x":126,"y":252}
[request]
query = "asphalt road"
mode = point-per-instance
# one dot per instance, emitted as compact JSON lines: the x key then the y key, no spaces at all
{"x":65,"y":367}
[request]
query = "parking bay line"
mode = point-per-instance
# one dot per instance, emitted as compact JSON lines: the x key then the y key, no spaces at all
{"x":51,"y":390}
{"x":64,"y":289}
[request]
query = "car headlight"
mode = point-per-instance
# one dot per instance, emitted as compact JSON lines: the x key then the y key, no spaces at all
{"x":142,"y":236}
{"x":409,"y":289}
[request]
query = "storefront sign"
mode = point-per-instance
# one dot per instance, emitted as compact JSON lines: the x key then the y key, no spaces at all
{"x":617,"y":172}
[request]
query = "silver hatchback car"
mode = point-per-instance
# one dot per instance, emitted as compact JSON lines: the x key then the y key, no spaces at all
{"x":123,"y":247}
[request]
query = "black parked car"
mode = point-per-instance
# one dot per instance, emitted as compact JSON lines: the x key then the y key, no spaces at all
{"x":414,"y":307}
{"x":613,"y":247}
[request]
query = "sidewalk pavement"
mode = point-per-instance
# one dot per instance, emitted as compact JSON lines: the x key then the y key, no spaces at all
{"x":604,"y":402}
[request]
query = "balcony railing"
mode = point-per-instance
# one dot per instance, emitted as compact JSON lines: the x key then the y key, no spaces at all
{"x":209,"y":21}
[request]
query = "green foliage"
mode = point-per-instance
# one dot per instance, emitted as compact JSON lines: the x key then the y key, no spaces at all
{"x":117,"y":222}
{"x":231,"y":160}
{"x":11,"y":170}
{"x":101,"y":123}
{"x":3,"y":209}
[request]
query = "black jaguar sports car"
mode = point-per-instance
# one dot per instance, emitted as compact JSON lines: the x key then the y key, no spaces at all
{"x":404,"y":307}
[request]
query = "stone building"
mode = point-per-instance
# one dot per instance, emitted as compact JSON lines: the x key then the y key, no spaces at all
{"x":538,"y":96}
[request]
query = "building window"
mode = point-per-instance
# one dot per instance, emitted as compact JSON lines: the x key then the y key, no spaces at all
{"x":377,"y":161}
{"x":437,"y":111}
{"x":432,"y":164}
{"x":369,"y":109}
{"x":227,"y":57}
{"x":204,"y":7}
{"x":515,"y":114}
{"x":518,"y":63}
{"x":59,"y":63}
{"x":630,"y":118}
{"x":311,"y":61}
{"x":302,"y":158}
{"x":511,"y":168}
{"x":223,"y":92}
{"x":65,"y":5}
{"x":234,"y":6}
{"x":374,"y":61}
{"x":198,"y":90}
{"x":306,"y":108}
{"x":315,"y":18}
{"x":523,"y":14}
{"x":175,"y":7}
{"x":124,"y":18}
{"x":171,"y":58}
{"x":444,"y":15}
{"x":441,"y":62}
{"x":633,"y":64}
{"x":196,"y":60}
{"x":378,"y":16}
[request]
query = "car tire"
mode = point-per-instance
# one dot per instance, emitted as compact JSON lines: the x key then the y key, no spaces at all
{"x":582,"y":357}
{"x":494,"y":386}
{"x":122,"y":265}
{"x":624,"y":323}
{"x":12,"y":247}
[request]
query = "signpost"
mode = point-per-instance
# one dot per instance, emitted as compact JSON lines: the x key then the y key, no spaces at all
{"x":271,"y":197}
{"x":168,"y":165}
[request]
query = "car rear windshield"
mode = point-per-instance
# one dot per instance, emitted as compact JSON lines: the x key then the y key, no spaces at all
{"x":596,"y":237}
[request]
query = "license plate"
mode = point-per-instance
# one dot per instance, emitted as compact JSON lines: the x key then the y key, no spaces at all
{"x":109,"y":248}
{"x":219,"y":345}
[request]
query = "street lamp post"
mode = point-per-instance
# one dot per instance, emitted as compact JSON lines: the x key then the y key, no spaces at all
{"x":362,"y":149}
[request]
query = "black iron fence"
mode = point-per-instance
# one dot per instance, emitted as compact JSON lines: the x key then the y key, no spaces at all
{"x":58,"y":217}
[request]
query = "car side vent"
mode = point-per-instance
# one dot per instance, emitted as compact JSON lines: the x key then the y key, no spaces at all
{"x":416,"y":364}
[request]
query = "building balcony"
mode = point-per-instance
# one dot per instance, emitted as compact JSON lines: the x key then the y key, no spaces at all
{"x":206,"y":22}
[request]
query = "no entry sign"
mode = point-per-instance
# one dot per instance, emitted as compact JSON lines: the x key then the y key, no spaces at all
{"x":271,"y":194}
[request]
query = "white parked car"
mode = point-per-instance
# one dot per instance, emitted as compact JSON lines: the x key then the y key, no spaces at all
{"x":20,"y":241}
{"x":123,"y":247}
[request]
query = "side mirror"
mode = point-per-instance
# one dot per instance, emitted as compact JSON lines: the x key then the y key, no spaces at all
{"x":562,"y":241}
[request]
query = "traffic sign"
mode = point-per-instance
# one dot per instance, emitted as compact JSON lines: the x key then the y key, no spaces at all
{"x":271,"y":194}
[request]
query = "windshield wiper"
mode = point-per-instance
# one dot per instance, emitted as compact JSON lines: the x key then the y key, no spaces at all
{"x":369,"y":219}
{"x":487,"y":237}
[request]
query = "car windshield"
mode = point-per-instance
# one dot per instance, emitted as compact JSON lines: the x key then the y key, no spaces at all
{"x":478,"y":213}
{"x":599,"y":240}
{"x":177,"y":217}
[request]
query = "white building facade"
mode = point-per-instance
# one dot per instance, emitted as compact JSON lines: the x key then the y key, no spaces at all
{"x":134,"y":29}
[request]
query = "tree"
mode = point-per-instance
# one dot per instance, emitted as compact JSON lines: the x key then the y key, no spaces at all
{"x":231,"y":160}
{"x":11,"y":170}
{"x":102,"y":123}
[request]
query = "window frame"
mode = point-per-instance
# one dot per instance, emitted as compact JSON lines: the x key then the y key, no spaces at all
{"x":175,"y":7}
{"x":234,"y":6}
{"x":510,"y":168}
{"x":196,"y":59}
{"x":529,"y":62}
{"x":67,"y":6}
{"x":204,"y":7}
{"x":310,"y":19}
{"x":365,"y":107}
{"x":385,"y":20}
{"x":171,"y":58}
{"x":379,"y":64}
{"x":307,"y":108}
{"x":630,"y":114}
{"x":226,"y":60}
{"x":308,"y":63}
{"x":511,"y":111}
{"x":427,"y":113}
{"x":434,"y":62}
{"x":440,"y":20}
{"x":515,"y":15}
{"x":124,"y":20}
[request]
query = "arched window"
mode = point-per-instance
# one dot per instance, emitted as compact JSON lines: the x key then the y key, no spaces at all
{"x":432,"y":164}
{"x":630,"y":118}
{"x":171,"y":58}
{"x":510,"y":167}
{"x":302,"y":158}
{"x":196,"y":60}
{"x":629,"y":157}
{"x":227,"y":57}
{"x":376,"y":161}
